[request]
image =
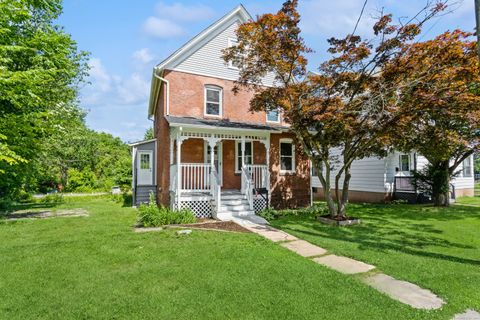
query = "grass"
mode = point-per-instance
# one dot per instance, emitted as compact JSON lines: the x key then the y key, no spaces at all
{"x":436,"y":248}
{"x":96,"y":267}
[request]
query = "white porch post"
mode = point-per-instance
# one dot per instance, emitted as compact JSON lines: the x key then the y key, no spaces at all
{"x":212,"y":143}
{"x":172,"y":141}
{"x":243,"y":152}
{"x":179,"y":169}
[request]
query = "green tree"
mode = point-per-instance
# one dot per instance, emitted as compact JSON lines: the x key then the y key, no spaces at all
{"x":40,"y":70}
{"x":149,"y":134}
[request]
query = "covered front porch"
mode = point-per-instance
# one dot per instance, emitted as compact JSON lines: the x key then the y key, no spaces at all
{"x":219,"y":172}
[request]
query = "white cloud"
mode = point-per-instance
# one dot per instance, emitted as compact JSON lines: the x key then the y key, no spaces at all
{"x":107,"y":88}
{"x":143,"y":56}
{"x":99,"y":75}
{"x":178,"y":11}
{"x":133,"y":90}
{"x":161,"y":28}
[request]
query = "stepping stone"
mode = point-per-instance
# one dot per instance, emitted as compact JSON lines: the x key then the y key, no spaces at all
{"x":405,"y":292}
{"x":343,"y":264}
{"x":269,"y":232}
{"x":468,"y":315}
{"x":304,"y":248}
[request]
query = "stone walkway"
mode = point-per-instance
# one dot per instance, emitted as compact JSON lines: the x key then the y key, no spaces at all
{"x":402,"y":291}
{"x":468,"y":315}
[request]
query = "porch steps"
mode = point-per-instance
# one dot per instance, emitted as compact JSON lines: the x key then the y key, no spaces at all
{"x":233,"y":205}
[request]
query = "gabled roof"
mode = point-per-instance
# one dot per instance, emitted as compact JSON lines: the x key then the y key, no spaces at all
{"x":239,"y":13}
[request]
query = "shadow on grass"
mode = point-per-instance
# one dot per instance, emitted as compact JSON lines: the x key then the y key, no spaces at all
{"x":385,"y":228}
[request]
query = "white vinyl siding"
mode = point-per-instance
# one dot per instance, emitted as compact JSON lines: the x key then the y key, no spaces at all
{"x":207,"y":60}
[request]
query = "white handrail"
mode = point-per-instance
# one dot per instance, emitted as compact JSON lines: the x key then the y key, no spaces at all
{"x":259,"y":175}
{"x":247,"y":186}
{"x":215,"y":188}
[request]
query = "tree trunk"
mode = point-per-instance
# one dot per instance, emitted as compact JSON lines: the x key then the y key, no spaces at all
{"x":342,"y":202}
{"x":441,"y":185}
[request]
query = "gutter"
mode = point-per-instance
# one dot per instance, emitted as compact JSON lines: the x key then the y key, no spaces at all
{"x":167,"y":92}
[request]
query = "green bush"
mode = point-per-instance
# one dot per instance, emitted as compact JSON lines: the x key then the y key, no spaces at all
{"x":52,"y":198}
{"x":151,"y":215}
{"x":318,"y":209}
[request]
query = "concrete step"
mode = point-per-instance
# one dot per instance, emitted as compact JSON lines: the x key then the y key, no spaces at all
{"x":243,"y":213}
{"x":235,"y":208}
{"x":232,"y":197}
{"x":234,"y":202}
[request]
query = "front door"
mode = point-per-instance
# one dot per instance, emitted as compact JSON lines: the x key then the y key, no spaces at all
{"x":145,"y":168}
{"x":217,"y":158}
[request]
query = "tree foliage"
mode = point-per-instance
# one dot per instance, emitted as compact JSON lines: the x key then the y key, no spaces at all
{"x":40,"y":69}
{"x":437,"y":90}
{"x":344,"y":111}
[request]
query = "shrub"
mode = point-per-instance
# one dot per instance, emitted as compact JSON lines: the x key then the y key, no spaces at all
{"x":318,"y":209}
{"x":151,"y":215}
{"x":52,"y":198}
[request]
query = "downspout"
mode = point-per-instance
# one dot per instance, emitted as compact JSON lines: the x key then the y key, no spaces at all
{"x":167,"y":91}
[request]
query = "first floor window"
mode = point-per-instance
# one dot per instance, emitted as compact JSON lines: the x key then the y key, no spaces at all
{"x":287,"y":156}
{"x":273,"y":116}
{"x":144,"y":161}
{"x":467,"y":168}
{"x":213,"y":101}
{"x":404,"y":162}
{"x":248,"y":155}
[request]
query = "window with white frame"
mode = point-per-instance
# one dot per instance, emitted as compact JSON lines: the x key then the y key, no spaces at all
{"x":467,"y":167}
{"x":238,"y":155}
{"x":213,"y":101}
{"x":273,"y":116}
{"x":287,"y":156}
{"x":404,"y":162}
{"x":232,"y":43}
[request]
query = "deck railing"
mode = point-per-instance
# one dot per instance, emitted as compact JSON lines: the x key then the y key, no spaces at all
{"x":259,"y":175}
{"x":195,"y":177}
{"x":247,"y":186}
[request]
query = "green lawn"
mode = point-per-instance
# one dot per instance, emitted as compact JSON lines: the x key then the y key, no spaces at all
{"x":436,"y":248}
{"x":96,"y":267}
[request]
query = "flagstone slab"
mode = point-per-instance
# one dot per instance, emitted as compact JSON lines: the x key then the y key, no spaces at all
{"x":304,"y":248}
{"x":269,"y":232}
{"x":468,"y":315}
{"x":343,"y":264}
{"x":405,"y":292}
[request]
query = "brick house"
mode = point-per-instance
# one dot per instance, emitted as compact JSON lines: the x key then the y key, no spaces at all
{"x":212,"y":155}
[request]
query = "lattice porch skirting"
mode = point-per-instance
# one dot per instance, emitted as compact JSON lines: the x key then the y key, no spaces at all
{"x":200,"y":208}
{"x":259,"y":204}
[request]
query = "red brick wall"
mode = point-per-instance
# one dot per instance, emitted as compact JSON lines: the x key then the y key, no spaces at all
{"x":187,"y":98}
{"x":289,"y":190}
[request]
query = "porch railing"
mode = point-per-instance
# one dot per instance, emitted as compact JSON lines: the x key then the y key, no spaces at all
{"x":195,"y":177}
{"x":259,"y":175}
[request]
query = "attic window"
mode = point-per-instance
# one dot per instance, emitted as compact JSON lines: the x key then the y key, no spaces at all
{"x":273,"y":116}
{"x":213,"y":101}
{"x":232,"y":43}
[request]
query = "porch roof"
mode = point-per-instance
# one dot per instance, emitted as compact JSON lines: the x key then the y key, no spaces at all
{"x":221,"y":123}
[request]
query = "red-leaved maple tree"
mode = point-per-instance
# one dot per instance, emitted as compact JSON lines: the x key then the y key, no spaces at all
{"x":344,"y":111}
{"x":438,"y":93}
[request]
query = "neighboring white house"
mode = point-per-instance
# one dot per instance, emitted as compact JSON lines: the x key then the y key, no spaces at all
{"x":379,"y":179}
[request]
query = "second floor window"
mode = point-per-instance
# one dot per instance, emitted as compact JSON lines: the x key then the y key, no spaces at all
{"x":273,"y":116}
{"x":213,"y":101}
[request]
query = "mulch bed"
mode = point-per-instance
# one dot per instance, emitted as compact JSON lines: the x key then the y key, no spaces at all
{"x":215,"y":225}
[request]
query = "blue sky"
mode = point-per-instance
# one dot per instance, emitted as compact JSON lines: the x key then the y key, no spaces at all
{"x":127,"y":38}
